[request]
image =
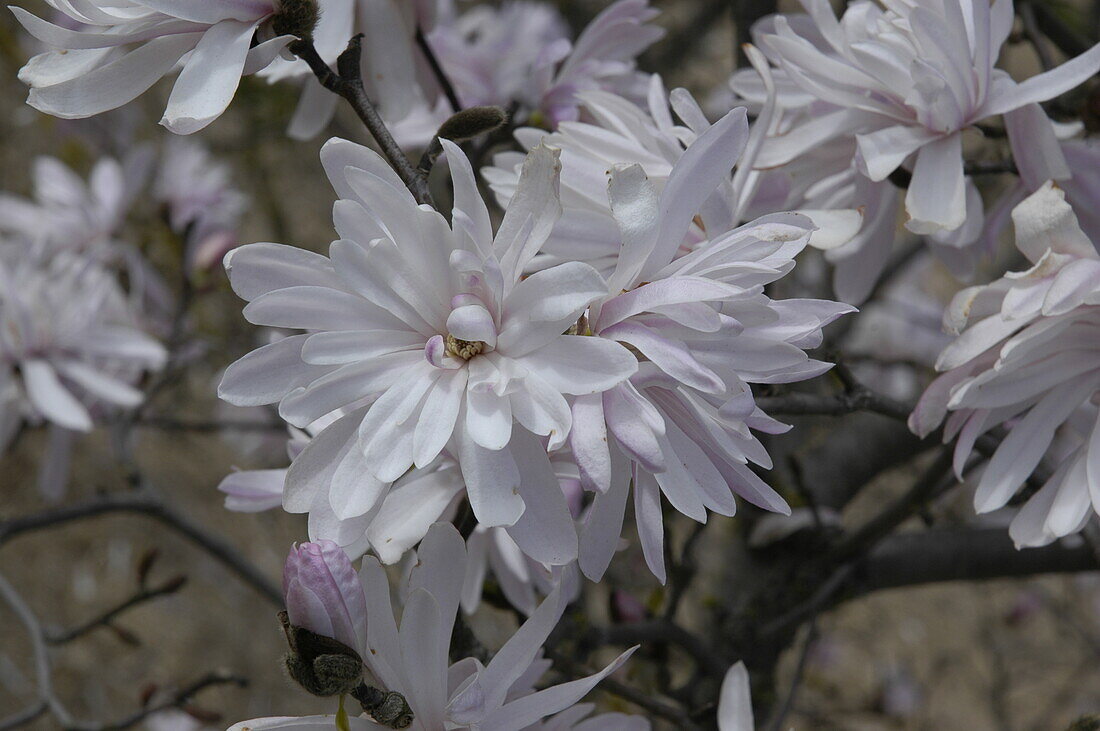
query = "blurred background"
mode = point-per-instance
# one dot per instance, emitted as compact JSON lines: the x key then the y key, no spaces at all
{"x":1012,"y":655}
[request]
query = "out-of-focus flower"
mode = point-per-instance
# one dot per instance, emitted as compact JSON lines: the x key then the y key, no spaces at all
{"x":70,"y":218}
{"x":685,"y":292}
{"x":735,"y":701}
{"x":905,"y":81}
{"x":201,"y":202}
{"x":411,"y":657}
{"x":68,"y":343}
{"x":430,"y":339}
{"x":117,"y":49}
{"x":69,"y":215}
{"x":70,"y":351}
{"x":520,"y":54}
{"x":1028,"y":357}
{"x":323,"y":593}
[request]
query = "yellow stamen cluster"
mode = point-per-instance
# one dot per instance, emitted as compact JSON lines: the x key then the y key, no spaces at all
{"x":464,"y":349}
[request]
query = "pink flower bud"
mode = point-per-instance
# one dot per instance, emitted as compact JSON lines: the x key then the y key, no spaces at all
{"x":323,"y":593}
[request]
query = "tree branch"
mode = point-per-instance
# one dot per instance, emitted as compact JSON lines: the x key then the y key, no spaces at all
{"x":661,"y":631}
{"x":437,"y":71}
{"x":911,"y":559}
{"x":106,"y":618}
{"x":140,"y":504}
{"x":348,"y":83}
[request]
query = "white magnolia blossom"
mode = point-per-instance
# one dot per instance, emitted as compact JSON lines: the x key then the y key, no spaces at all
{"x":402,"y":518}
{"x":905,"y":81}
{"x":200,"y":201}
{"x":428,"y":337}
{"x":114,"y":50}
{"x":685,"y":292}
{"x":70,"y":352}
{"x":411,"y":656}
{"x":1028,"y":357}
{"x":68,"y":215}
{"x":520,"y":54}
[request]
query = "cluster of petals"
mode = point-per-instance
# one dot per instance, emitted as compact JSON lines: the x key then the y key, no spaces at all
{"x":905,"y":81}
{"x":685,"y":293}
{"x":1028,"y":358}
{"x":432,"y":343}
{"x":410,"y":656}
{"x":413,"y":503}
{"x":107,"y":53}
{"x":69,"y":346}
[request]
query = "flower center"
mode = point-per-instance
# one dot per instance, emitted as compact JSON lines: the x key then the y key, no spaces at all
{"x":464,"y":349}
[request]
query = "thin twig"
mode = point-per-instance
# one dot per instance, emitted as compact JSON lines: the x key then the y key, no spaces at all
{"x":437,"y":71}
{"x":785,"y":707}
{"x":106,"y":618}
{"x":178,"y":700}
{"x":860,"y":399}
{"x":348,"y":83}
{"x":46,"y":698}
{"x":661,"y":631}
{"x":141,"y":504}
{"x":896,"y":513}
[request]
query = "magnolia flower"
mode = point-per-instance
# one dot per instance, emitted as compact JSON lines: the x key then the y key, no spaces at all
{"x":685,"y":293}
{"x":426,"y":334}
{"x":68,"y":340}
{"x":1028,"y":357}
{"x":906,"y":82}
{"x":117,"y":49}
{"x":410,"y":657}
{"x":69,"y":351}
{"x":69,"y":215}
{"x":414,"y":502}
{"x":390,"y":528}
{"x":200,"y":200}
{"x":520,"y":54}
{"x":323,"y":594}
{"x":623,"y":133}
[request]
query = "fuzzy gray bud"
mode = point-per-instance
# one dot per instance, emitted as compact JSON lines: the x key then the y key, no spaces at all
{"x":295,"y":18}
{"x":470,"y":123}
{"x":321,"y":665}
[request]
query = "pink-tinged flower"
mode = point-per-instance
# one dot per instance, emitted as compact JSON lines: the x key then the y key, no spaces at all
{"x":686,"y":294}
{"x":430,"y":339}
{"x":201,"y":202}
{"x":120,"y":48}
{"x":411,"y":657}
{"x":1027,"y":356}
{"x":521,"y":54}
{"x":735,"y":701}
{"x":323,"y":594}
{"x":906,"y":81}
